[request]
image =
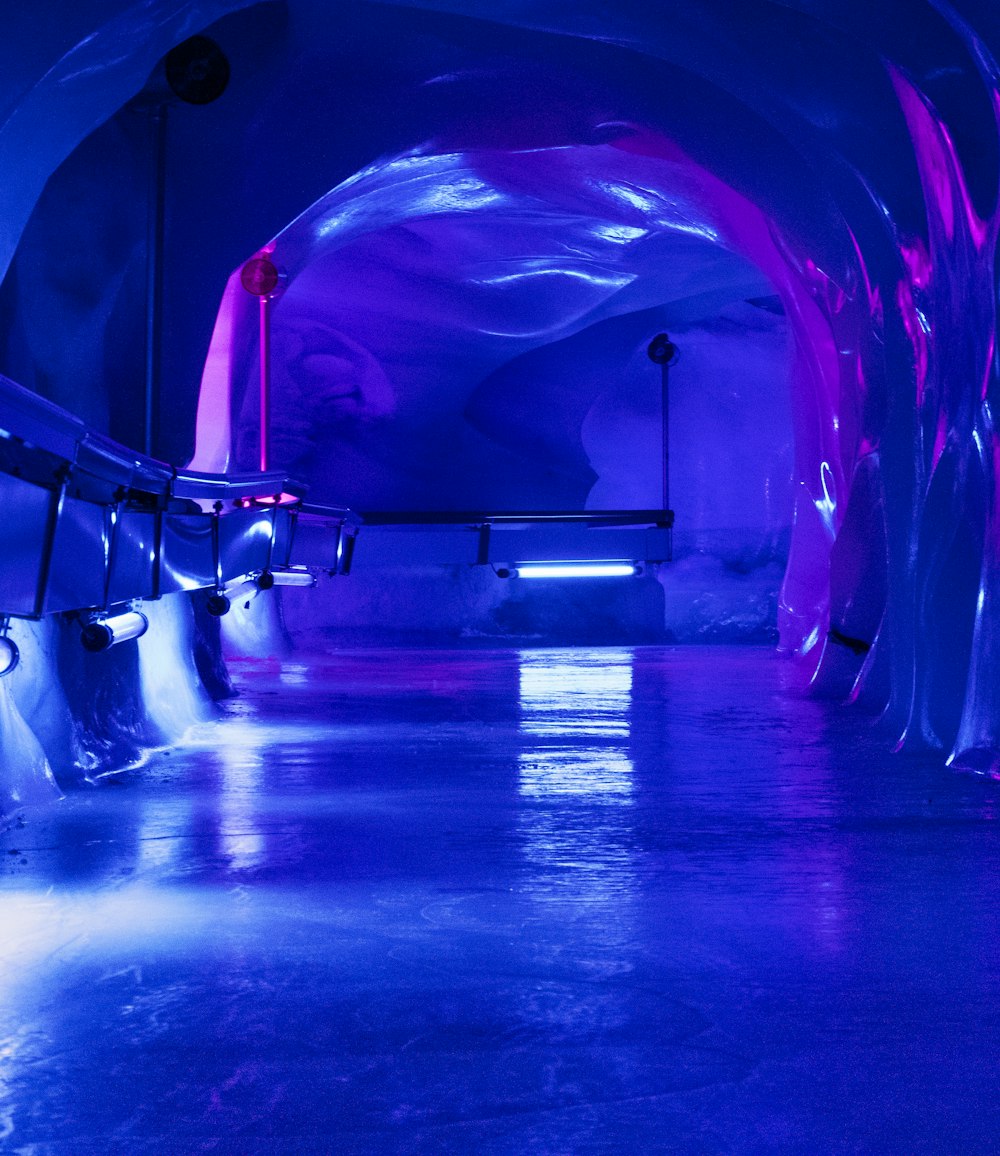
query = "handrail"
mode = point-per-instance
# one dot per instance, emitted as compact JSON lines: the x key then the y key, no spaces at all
{"x":660,"y":518}
{"x":93,"y":525}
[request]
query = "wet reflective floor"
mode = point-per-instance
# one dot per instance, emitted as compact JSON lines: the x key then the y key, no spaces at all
{"x":587,"y":901}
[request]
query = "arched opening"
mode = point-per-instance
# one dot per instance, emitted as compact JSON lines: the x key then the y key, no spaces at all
{"x":469,"y":331}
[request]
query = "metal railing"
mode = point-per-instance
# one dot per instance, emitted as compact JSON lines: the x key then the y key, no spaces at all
{"x":92,"y":526}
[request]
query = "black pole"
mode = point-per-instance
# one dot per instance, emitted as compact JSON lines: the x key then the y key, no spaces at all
{"x":154,"y":269}
{"x":662,"y":352}
{"x":665,"y":420}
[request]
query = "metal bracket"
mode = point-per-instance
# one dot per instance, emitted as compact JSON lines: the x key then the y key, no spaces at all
{"x":483,"y":550}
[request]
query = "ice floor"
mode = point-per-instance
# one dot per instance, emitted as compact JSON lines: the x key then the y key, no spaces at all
{"x":508,"y":902}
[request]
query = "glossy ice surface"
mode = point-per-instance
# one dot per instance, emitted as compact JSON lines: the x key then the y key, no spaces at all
{"x":561,"y":901}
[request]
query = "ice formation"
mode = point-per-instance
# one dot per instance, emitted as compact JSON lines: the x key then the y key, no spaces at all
{"x":482,"y":222}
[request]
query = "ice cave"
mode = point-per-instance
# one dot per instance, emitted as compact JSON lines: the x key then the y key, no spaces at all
{"x":503,"y":576}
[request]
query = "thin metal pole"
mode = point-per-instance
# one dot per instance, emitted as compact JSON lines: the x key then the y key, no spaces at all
{"x":665,"y":420}
{"x":265,"y":383}
{"x":154,"y":268}
{"x":661,"y":351}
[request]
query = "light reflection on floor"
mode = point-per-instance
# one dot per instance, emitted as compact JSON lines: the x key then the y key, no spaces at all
{"x":576,"y":704}
{"x":575,"y":777}
{"x":507,"y":902}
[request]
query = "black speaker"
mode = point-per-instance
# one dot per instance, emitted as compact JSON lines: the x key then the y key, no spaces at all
{"x":197,"y":70}
{"x":662,"y":350}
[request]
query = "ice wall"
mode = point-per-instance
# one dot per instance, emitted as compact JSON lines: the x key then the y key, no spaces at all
{"x":67,"y":67}
{"x":67,"y":716}
{"x":843,"y":154}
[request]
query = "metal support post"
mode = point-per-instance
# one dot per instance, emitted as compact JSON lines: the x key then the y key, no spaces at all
{"x":265,"y":383}
{"x":663,"y":352}
{"x":154,"y":270}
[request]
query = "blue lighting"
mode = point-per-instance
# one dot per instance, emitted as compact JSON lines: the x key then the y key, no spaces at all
{"x":575,"y":570}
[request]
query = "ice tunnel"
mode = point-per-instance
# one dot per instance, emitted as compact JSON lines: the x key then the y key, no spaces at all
{"x":480,"y":221}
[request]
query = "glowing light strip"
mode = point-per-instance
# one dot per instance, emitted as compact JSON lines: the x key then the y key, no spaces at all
{"x":575,"y":570}
{"x":282,"y":499}
{"x":293,"y":578}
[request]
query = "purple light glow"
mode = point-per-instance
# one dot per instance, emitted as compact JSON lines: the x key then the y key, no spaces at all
{"x":464,"y":318}
{"x":489,"y":294}
{"x":522,"y":250}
